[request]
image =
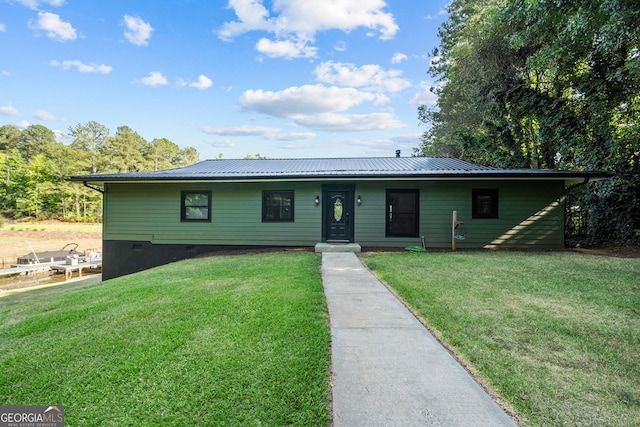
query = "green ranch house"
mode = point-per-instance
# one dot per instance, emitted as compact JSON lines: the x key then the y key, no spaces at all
{"x":153,"y":218}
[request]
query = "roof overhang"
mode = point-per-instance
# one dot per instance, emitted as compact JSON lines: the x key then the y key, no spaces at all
{"x":332,"y":170}
{"x":569,"y":180}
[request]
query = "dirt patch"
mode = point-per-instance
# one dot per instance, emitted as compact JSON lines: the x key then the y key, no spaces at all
{"x":627,"y":251}
{"x":617,"y":251}
{"x":15,"y":243}
{"x":255,"y":250}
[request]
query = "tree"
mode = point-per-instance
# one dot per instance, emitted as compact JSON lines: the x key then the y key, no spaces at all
{"x":9,"y":138}
{"x":593,"y":52}
{"x":544,"y":84}
{"x":188,"y":156}
{"x":164,"y":154}
{"x":34,"y":141}
{"x":487,"y":93}
{"x":13,"y":182}
{"x":34,"y":167}
{"x":126,"y":151}
{"x":89,"y":139}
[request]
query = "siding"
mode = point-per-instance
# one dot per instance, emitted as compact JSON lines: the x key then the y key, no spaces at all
{"x":151,"y":212}
{"x":531,"y":213}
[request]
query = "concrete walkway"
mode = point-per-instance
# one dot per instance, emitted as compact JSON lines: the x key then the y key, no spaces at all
{"x":388,"y":370}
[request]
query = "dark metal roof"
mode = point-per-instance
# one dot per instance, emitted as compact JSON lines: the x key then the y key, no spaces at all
{"x":393,"y":167}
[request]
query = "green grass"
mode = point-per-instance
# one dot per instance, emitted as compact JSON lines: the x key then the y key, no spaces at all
{"x":239,"y":340}
{"x":557,"y":334}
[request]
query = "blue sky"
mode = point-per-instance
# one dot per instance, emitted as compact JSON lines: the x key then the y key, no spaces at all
{"x":282,"y":78}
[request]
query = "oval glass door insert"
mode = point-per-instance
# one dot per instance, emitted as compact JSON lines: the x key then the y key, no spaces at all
{"x":337,"y":209}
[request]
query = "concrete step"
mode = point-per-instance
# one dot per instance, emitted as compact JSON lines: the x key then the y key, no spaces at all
{"x":338,"y":247}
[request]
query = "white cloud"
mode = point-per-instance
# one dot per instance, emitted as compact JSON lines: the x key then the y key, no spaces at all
{"x":291,"y":136}
{"x":304,"y":100}
{"x":287,"y":49}
{"x":298,"y":21}
{"x":425,"y":96}
{"x":9,"y":110}
{"x":317,"y":107}
{"x":309,"y":17}
{"x":138,"y":32}
{"x":6,"y":73}
{"x":350,"y":122}
{"x":398,"y":58}
{"x":34,"y":4}
{"x":441,"y":12}
{"x":3,"y":28}
{"x":252,"y":15}
{"x":221,"y":143}
{"x":83,"y":68}
{"x":369,"y":77}
{"x":54,"y":27}
{"x":47,"y":116}
{"x":340,"y":46}
{"x":240,"y":130}
{"x":265,"y":132}
{"x":411,"y":140}
{"x":23,"y":124}
{"x":203,"y":83}
{"x":155,"y":78}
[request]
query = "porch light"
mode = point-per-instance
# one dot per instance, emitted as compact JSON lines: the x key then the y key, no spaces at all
{"x":317,"y":201}
{"x":359,"y":200}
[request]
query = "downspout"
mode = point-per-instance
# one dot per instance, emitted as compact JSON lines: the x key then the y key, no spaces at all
{"x":101,"y":192}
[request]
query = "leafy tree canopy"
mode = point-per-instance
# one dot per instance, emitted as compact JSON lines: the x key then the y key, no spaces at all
{"x":34,"y":167}
{"x":544,"y":84}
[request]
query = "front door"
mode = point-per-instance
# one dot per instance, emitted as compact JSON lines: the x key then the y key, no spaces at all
{"x":338,"y":215}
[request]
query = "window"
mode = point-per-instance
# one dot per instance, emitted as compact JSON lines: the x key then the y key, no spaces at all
{"x":403,"y":218}
{"x":277,"y":206}
{"x":484,"y":203}
{"x":195,"y":206}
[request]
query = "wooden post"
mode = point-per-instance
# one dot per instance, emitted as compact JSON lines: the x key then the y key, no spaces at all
{"x":453,"y":230}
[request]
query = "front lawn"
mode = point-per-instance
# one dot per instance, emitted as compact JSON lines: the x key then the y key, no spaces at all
{"x":557,"y":334}
{"x":236,"y":340}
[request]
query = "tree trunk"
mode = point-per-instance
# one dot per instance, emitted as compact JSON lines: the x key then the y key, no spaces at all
{"x":77,"y":203}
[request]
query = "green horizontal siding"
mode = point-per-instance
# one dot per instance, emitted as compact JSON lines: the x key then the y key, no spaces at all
{"x":531,"y":213}
{"x":236,"y":215}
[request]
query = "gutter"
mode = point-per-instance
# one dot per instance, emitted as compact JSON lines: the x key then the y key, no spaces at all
{"x":574,"y":186}
{"x":93,"y":188}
